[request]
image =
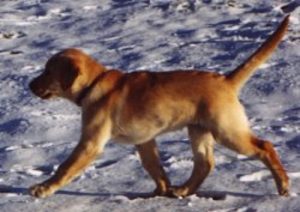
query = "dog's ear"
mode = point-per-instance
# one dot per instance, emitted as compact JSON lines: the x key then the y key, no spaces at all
{"x":69,"y":76}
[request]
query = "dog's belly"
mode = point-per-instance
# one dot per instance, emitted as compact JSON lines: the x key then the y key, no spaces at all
{"x":135,"y":136}
{"x":140,"y":133}
{"x":124,"y":139}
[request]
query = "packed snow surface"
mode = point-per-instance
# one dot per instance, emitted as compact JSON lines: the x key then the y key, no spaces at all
{"x":156,"y":35}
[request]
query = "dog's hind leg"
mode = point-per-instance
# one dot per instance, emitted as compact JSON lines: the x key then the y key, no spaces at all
{"x":202,"y":143}
{"x":266,"y":153}
{"x":151,"y":162}
{"x":232,"y":131}
{"x":263,"y":150}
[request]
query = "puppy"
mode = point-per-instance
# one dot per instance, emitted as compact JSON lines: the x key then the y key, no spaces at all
{"x":135,"y":107}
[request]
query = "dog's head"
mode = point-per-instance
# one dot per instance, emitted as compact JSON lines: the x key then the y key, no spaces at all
{"x":66,"y":74}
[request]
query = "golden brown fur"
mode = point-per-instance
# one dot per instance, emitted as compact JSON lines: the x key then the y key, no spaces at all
{"x":136,"y":107}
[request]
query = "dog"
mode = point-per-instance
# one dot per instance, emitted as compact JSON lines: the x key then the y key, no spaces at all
{"x":135,"y":107}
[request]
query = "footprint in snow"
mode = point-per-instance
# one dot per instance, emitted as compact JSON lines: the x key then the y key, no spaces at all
{"x":14,"y":126}
{"x":46,"y":15}
{"x":294,"y":144}
{"x":10,"y":191}
{"x":25,"y":146}
{"x":290,"y":7}
{"x":12,"y":35}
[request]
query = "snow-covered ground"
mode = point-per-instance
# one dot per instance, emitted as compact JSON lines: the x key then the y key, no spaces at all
{"x":157,"y":35}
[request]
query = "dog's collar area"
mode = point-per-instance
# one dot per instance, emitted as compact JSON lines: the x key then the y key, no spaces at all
{"x":87,"y":90}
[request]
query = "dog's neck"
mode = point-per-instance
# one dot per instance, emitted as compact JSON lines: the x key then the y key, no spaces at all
{"x":113,"y":79}
{"x":87,"y":90}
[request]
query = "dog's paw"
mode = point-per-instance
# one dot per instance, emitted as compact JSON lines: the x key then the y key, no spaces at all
{"x":284,"y":192}
{"x":165,"y":191}
{"x":178,"y":192}
{"x":41,"y":190}
{"x":283,"y":187}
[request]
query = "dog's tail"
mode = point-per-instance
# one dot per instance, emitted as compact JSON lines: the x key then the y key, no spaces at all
{"x":242,"y":73}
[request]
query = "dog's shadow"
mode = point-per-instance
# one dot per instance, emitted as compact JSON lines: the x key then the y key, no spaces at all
{"x":215,"y":195}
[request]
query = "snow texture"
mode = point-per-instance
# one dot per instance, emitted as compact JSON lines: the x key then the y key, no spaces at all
{"x":157,"y":35}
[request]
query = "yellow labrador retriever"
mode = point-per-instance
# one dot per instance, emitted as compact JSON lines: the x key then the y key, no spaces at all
{"x":135,"y":107}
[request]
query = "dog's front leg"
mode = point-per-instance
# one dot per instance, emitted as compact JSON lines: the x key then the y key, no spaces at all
{"x":151,"y":162}
{"x":91,"y":144}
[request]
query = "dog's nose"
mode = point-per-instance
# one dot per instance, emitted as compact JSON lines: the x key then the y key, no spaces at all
{"x":34,"y":86}
{"x":31,"y":85}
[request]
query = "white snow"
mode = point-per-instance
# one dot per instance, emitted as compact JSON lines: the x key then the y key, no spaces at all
{"x":157,"y":35}
{"x":255,"y":176}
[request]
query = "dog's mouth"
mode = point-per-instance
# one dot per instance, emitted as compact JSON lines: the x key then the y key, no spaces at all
{"x":46,"y":95}
{"x":43,"y":93}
